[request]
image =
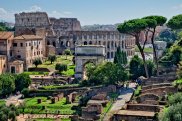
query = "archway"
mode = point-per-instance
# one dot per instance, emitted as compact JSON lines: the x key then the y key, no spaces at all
{"x":48,"y":43}
{"x":87,"y":54}
{"x":88,"y":68}
{"x":54,"y":44}
{"x":90,"y":43}
{"x":85,"y":43}
{"x":67,"y":44}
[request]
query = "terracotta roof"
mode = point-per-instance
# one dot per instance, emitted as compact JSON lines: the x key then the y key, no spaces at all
{"x":5,"y":35}
{"x":27,"y":37}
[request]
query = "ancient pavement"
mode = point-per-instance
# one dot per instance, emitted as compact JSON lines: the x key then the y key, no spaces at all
{"x":125,"y":95}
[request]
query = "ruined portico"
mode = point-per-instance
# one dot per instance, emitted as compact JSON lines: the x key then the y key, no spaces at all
{"x":88,"y":54}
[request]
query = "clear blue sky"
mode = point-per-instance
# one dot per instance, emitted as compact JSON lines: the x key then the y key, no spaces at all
{"x":92,"y":11}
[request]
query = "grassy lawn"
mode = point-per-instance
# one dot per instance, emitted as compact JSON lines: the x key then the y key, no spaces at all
{"x":31,"y":106}
{"x":36,"y":73}
{"x":61,"y":59}
{"x":52,"y":87}
{"x":146,"y":50}
{"x":2,"y":102}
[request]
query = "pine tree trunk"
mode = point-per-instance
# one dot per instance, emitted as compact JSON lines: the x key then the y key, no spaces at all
{"x":143,"y":56}
{"x":155,"y":53}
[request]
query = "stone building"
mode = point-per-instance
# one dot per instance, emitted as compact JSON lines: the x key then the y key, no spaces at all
{"x":6,"y":39}
{"x":3,"y":64}
{"x":62,"y":25}
{"x":34,"y":23}
{"x":65,"y":33}
{"x":27,"y":48}
{"x":110,"y":39}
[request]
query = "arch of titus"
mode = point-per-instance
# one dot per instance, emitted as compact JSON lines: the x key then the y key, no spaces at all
{"x":88,"y":53}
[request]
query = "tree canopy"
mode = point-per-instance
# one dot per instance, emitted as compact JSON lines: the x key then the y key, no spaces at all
{"x":7,"y":85}
{"x":22,"y":81}
{"x":175,"y":22}
{"x":120,"y":57}
{"x":108,"y":73}
{"x":159,"y":20}
{"x":37,"y":62}
{"x":134,"y":27}
{"x":52,"y":58}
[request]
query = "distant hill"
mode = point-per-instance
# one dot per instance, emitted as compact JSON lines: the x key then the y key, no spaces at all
{"x":97,"y":27}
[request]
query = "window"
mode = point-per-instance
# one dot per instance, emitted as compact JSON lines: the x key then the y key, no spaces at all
{"x":21,"y":44}
{"x":18,"y":56}
{"x":14,"y":44}
{"x":11,"y":53}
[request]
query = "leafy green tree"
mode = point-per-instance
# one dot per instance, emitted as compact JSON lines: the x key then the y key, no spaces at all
{"x":37,"y":62}
{"x":168,"y":36}
{"x":22,"y":81}
{"x":25,"y":92}
{"x":67,"y":52}
{"x":108,"y":73}
{"x":2,"y":29}
{"x":172,"y":113}
{"x":137,"y":67}
{"x":176,"y":54}
{"x":175,"y":22}
{"x":52,"y":58}
{"x":153,"y":22}
{"x":7,"y":84}
{"x":120,"y":57}
{"x":134,"y":27}
{"x":61,"y":67}
{"x":90,"y":67}
{"x":8,"y":113}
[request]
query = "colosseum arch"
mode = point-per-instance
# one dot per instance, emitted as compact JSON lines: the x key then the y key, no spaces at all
{"x":85,"y":43}
{"x":87,"y":54}
{"x":68,"y":44}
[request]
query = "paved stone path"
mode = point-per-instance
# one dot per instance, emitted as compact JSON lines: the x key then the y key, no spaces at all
{"x":15,"y":99}
{"x":124,"y":97}
{"x":33,"y":116}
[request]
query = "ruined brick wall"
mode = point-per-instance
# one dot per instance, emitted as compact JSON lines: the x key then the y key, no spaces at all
{"x":143,"y":107}
{"x":161,"y":91}
{"x":62,"y":25}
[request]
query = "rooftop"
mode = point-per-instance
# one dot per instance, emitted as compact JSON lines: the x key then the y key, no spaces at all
{"x":136,"y":113}
{"x":5,"y":35}
{"x":27,"y":37}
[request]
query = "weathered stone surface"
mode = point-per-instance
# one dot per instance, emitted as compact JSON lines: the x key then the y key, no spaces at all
{"x":143,"y":98}
{"x":161,"y":91}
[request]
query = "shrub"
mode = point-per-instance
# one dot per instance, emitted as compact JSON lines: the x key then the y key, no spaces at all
{"x":174,"y":99}
{"x":138,"y":91}
{"x":25,"y":92}
{"x":61,"y":67}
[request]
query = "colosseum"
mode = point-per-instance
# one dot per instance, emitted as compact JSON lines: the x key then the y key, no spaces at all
{"x":66,"y":33}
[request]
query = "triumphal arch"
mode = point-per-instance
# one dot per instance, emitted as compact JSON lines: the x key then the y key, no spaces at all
{"x":88,"y":54}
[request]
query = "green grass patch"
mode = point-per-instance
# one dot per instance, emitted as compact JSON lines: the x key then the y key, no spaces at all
{"x":146,"y":50}
{"x":52,"y":87}
{"x":61,"y":59}
{"x":138,"y":91}
{"x":2,"y":102}
{"x":178,"y":84}
{"x":32,"y":107}
{"x":36,"y":73}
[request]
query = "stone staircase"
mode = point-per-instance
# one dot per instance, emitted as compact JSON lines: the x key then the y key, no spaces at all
{"x":146,"y":105}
